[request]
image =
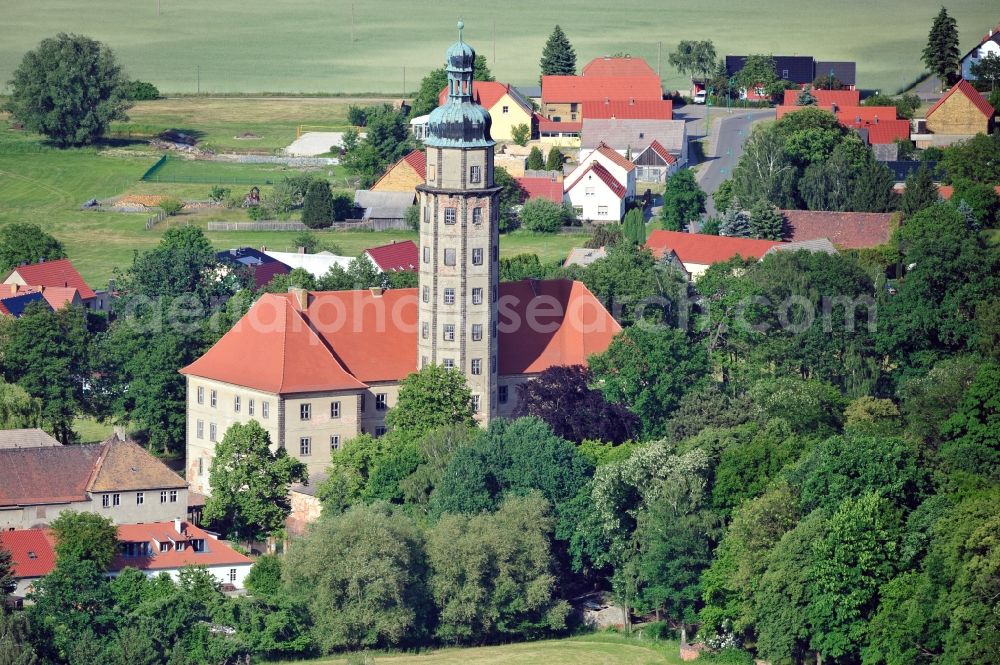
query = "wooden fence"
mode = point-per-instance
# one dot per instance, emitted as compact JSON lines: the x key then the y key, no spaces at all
{"x":156,"y":219}
{"x":257,"y":226}
{"x":346,"y":225}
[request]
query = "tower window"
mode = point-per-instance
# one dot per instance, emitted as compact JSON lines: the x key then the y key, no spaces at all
{"x":477,"y":332}
{"x":425,"y":330}
{"x":476,"y":366}
{"x":449,"y":257}
{"x":475,"y":174}
{"x":427,"y":215}
{"x":426,"y":292}
{"x":427,"y":254}
{"x":477,"y":215}
{"x":450,"y":215}
{"x":502,"y":394}
{"x":449,"y":332}
{"x":477,"y":255}
{"x":449,"y":296}
{"x":477,"y":296}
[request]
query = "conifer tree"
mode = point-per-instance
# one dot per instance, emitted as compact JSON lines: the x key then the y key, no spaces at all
{"x":941,"y":54}
{"x":736,"y":222}
{"x":555,"y":159}
{"x":634,"y":226}
{"x":317,"y":206}
{"x":558,"y":56}
{"x":766,"y":223}
{"x":920,"y":192}
{"x":806,"y":97}
{"x":535,"y":160}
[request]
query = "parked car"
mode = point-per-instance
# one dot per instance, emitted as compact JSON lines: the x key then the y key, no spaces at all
{"x":699,"y":97}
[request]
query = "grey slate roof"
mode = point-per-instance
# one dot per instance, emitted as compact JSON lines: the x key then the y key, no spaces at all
{"x":844,"y":71}
{"x":25,"y":438}
{"x":818,"y":245}
{"x":635,"y":134}
{"x":383,"y":205}
{"x":584,"y":256}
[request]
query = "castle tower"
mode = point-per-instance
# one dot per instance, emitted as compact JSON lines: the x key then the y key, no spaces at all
{"x":459,"y":238}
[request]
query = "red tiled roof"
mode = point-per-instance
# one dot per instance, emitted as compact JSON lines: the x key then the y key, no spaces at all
{"x":396,"y":256}
{"x":971,"y":93}
{"x":57,"y":296}
{"x":32,"y":550}
{"x":664,"y":154}
{"x":629,"y":110}
{"x":216,"y":552}
{"x":614,"y":156}
{"x":826,"y":97}
{"x":705,"y":249}
{"x":55,"y":474}
{"x":888,"y":131}
{"x":946,"y":191}
{"x":569,"y":89}
{"x":374,"y":337}
{"x":418,"y":160}
{"x":59,"y":272}
{"x":608,"y":66}
{"x":541,"y":188}
{"x":851,"y":230}
{"x":548,"y":126}
{"x":851,"y":115}
{"x":605,"y":176}
{"x":273,"y":348}
{"x":486,"y":94}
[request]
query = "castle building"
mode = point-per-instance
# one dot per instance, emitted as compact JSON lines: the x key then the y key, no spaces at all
{"x":316,"y":369}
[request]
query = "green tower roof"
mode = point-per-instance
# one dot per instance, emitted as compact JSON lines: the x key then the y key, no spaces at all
{"x":460,"y":123}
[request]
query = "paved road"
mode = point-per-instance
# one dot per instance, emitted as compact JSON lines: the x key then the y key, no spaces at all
{"x":725,"y":147}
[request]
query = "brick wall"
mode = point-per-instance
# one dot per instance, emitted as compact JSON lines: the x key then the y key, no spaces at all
{"x":958,"y":115}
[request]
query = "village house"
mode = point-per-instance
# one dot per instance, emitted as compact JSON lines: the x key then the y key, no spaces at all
{"x":154,"y":548}
{"x":988,"y":45}
{"x":962,"y":112}
{"x":846,"y":230}
{"x":59,"y":274}
{"x":601,"y":186}
{"x":317,"y":264}
{"x":695,"y":252}
{"x":117,"y":479}
{"x":548,"y":188}
{"x":261,"y":267}
{"x":877,"y":125}
{"x":404,"y":175}
{"x":25,"y":438}
{"x":802,"y":70}
{"x":506,"y":106}
{"x":318,"y":368}
{"x":14,"y":306}
{"x":655,"y":164}
{"x":401,"y":256}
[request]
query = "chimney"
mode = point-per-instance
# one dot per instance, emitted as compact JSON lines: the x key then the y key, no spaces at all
{"x":300,"y":298}
{"x":13,"y":289}
{"x":376,"y":292}
{"x":876,"y":120}
{"x":631,"y":101}
{"x":179,"y":526}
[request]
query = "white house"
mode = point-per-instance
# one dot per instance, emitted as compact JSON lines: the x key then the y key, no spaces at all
{"x":614,"y":162}
{"x":595,"y":194}
{"x":316,"y":265}
{"x":990,"y":44}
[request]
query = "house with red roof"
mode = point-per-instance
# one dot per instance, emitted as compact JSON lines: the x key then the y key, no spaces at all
{"x":316,"y":369}
{"x":601,"y":186}
{"x":401,"y":256}
{"x":960,"y":113}
{"x":877,"y":125}
{"x":152,"y":547}
{"x":508,"y":108}
{"x":58,"y":273}
{"x":846,"y":230}
{"x":14,"y":305}
{"x":628,"y":80}
{"x":825,"y":98}
{"x":655,"y":163}
{"x":697,"y":251}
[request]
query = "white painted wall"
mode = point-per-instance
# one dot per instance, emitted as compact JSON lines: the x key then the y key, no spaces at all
{"x":974,"y":57}
{"x":597,"y":201}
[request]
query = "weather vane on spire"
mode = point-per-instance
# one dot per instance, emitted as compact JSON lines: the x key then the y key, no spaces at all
{"x":461,"y":26}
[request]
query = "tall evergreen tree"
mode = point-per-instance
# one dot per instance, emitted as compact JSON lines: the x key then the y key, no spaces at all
{"x":766,"y":222}
{"x":941,"y":54}
{"x":634,"y":226}
{"x":806,"y":98}
{"x":317,"y":207}
{"x":920,"y":192}
{"x":558,"y":56}
{"x":735,"y":223}
{"x":555,"y":159}
{"x":535,"y":160}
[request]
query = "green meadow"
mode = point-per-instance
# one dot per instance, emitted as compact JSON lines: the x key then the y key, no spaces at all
{"x":349,"y":46}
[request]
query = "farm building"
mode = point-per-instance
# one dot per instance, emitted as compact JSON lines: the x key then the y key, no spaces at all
{"x":961,"y":113}
{"x":404,"y":175}
{"x":655,"y":163}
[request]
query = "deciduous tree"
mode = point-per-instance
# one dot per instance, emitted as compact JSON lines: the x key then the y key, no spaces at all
{"x":70,"y":88}
{"x":683,"y":201}
{"x":250,"y":484}
{"x":85,"y":537}
{"x":693,"y":58}
{"x":544,"y":216}
{"x":27,"y":243}
{"x":430,"y":398}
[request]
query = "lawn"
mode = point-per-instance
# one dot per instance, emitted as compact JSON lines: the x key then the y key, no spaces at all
{"x":238,"y":124}
{"x":599,"y":649}
{"x":47,"y":187}
{"x":180,"y":170}
{"x":351,"y":47}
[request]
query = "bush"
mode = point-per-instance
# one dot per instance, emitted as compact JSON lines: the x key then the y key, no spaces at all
{"x":171,"y":206}
{"x":520,"y":134}
{"x":543,"y":216}
{"x":357,"y":116}
{"x":343,"y":206}
{"x":413,"y":217}
{"x":219,"y":193}
{"x":604,"y":236}
{"x":264,"y":578}
{"x":138,"y":91}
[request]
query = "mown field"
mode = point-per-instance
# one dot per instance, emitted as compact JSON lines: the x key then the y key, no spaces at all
{"x":600,"y":649}
{"x":316,"y":46}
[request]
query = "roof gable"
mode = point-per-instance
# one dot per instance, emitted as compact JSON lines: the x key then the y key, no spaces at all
{"x":614,"y":156}
{"x":124,"y":465}
{"x":615,"y":66}
{"x":59,"y":272}
{"x":32,"y":551}
{"x":657,"y":149}
{"x":966,"y":89}
{"x":603,"y":175}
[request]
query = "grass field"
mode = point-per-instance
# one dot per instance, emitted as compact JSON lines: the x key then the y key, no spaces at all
{"x":47,"y":187}
{"x":599,"y":649}
{"x":180,"y":170}
{"x":316,"y":46}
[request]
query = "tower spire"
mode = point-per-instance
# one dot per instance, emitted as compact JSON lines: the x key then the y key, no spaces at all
{"x":461,"y":26}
